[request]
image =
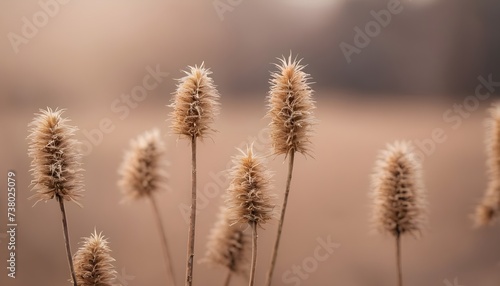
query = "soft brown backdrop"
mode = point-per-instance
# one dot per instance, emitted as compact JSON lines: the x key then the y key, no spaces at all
{"x":398,"y":87}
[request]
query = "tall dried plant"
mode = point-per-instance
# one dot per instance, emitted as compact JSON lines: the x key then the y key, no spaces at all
{"x":228,"y":246}
{"x":398,"y":195}
{"x":489,"y":208}
{"x":291,"y":112}
{"x":55,"y":165}
{"x":248,"y":197}
{"x":195,"y":105}
{"x":142,"y":175}
{"x":93,"y":262}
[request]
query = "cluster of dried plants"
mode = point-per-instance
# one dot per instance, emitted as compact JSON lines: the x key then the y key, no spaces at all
{"x":397,"y":191}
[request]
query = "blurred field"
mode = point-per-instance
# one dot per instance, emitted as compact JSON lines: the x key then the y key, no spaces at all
{"x":328,"y":197}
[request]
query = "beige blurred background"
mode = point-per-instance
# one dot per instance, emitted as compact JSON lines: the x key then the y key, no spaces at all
{"x":417,"y":75}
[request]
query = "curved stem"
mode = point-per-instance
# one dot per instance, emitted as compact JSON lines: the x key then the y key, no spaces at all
{"x":398,"y":260}
{"x":66,"y":239}
{"x":192,"y":223}
{"x":282,"y":219}
{"x":228,"y":278}
{"x":163,"y":238}
{"x":254,"y":254}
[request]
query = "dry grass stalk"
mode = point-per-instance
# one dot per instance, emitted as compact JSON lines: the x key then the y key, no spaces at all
{"x":290,"y":108}
{"x":291,"y":111}
{"x":248,"y":197}
{"x":489,"y":208}
{"x":55,"y":165}
{"x":143,"y":169}
{"x":93,"y":262}
{"x":228,"y":246}
{"x":195,"y":104}
{"x":142,"y":175}
{"x":398,"y":195}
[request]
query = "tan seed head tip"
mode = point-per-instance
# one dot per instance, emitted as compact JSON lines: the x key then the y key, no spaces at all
{"x":143,"y":169}
{"x":93,"y":262}
{"x":228,"y":245}
{"x":56,"y":159}
{"x":489,"y":209}
{"x":249,"y":197}
{"x":291,"y":108}
{"x":195,"y":104}
{"x":398,"y":193}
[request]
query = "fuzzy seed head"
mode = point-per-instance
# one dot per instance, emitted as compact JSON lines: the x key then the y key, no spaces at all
{"x":228,"y":245}
{"x":398,"y":191}
{"x":290,"y":108}
{"x":489,"y":209}
{"x":248,"y":195}
{"x":56,"y":161}
{"x":142,"y":171}
{"x":195,"y":104}
{"x":93,"y":262}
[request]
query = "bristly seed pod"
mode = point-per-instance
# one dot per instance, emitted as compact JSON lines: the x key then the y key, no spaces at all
{"x":195,"y":104}
{"x":55,"y":157}
{"x":489,"y":208}
{"x":398,"y":191}
{"x":228,"y":245}
{"x":93,"y":262}
{"x":142,"y":171}
{"x":290,"y":108}
{"x":248,"y":196}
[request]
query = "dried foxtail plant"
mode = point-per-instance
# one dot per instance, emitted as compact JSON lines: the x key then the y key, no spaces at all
{"x":195,"y":105}
{"x":142,"y":175}
{"x":55,"y":165}
{"x":93,"y":262}
{"x":248,"y":197}
{"x":398,"y":195}
{"x":291,"y":112}
{"x":228,"y":246}
{"x":489,"y":208}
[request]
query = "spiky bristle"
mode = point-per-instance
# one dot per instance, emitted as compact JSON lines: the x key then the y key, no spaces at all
{"x":290,"y":108}
{"x":55,"y":165}
{"x":398,"y":191}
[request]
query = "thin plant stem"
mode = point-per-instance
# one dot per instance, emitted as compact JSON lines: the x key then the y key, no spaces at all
{"x":398,"y":259}
{"x":163,"y":238}
{"x":192,"y":222}
{"x":254,"y":254}
{"x":228,"y":278}
{"x":282,"y":219}
{"x":66,"y":239}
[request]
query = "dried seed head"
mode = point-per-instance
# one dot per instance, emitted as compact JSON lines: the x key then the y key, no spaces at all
{"x":290,"y":108}
{"x":55,"y":164}
{"x":142,"y":171}
{"x":248,"y":196}
{"x":195,"y":104}
{"x":489,"y":209}
{"x":93,"y":263}
{"x":398,"y":191}
{"x":228,"y":245}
